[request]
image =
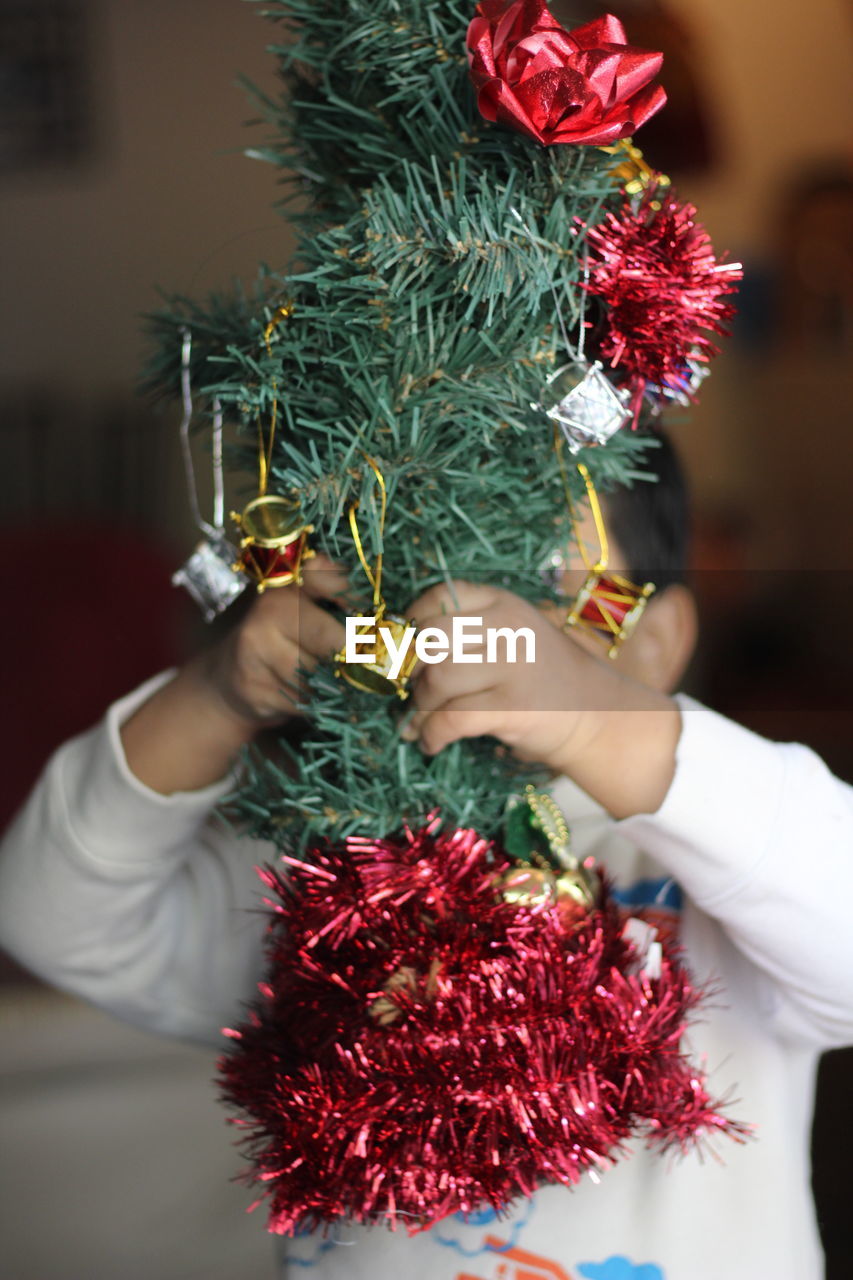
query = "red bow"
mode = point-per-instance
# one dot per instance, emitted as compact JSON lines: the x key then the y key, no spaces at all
{"x":583,"y":86}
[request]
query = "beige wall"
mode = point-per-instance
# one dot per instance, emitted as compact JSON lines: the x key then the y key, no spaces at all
{"x":779,"y":74}
{"x":168,"y":198}
{"x":780,"y":80}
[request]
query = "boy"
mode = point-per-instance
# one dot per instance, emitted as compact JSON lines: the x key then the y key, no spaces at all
{"x":116,"y":884}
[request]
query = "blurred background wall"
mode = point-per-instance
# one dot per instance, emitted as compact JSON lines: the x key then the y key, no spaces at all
{"x":121,"y":138}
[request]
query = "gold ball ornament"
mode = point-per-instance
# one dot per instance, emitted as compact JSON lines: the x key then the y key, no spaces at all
{"x":526,"y":886}
{"x":577,"y":894}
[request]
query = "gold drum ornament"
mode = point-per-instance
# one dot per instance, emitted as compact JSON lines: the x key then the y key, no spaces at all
{"x":372,"y":672}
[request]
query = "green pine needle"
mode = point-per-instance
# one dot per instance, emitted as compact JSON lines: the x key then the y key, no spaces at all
{"x":425,"y":326}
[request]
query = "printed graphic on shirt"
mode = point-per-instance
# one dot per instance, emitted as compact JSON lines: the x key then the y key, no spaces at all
{"x":309,"y":1248}
{"x":619,"y":1269}
{"x":659,"y":901}
{"x":465,"y":1232}
{"x":521,"y":1264}
{"x":515,"y":1263}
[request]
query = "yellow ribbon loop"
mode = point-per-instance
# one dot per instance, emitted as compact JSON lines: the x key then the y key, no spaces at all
{"x":601,"y":563}
{"x":265,"y":447}
{"x":632,"y":171}
{"x":374,"y":576}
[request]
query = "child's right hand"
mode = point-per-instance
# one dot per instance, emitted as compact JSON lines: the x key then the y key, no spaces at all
{"x":252,"y":672}
{"x":188,"y":733}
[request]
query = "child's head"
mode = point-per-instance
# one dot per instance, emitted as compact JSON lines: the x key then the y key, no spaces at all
{"x":650,"y":523}
{"x":648,"y":528}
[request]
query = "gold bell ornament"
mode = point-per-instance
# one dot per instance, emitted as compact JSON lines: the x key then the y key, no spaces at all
{"x":372,"y":670}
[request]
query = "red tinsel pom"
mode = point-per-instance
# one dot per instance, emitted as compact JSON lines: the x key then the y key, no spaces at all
{"x":654,"y":267}
{"x":422,"y":1047}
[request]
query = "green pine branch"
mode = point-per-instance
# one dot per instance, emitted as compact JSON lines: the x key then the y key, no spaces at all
{"x":437,"y":262}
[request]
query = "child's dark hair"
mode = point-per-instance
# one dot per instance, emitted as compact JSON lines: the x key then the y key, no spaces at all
{"x":651,"y":522}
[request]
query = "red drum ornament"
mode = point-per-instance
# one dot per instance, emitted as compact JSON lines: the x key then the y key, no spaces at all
{"x":274,"y":545}
{"x":609,"y":606}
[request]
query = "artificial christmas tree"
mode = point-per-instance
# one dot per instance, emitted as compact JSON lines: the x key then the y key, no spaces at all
{"x":483,"y":267}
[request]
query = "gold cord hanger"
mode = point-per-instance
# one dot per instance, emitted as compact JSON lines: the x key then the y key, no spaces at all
{"x":274,"y":544}
{"x":374,"y":576}
{"x":601,"y":563}
{"x":372,"y":672}
{"x":265,"y":448}
{"x":608,"y":605}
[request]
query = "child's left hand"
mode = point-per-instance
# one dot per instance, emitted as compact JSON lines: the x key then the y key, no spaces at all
{"x":533,"y":707}
{"x":565,"y":710}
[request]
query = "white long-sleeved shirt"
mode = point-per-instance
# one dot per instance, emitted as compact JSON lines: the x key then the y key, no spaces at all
{"x":150,"y":908}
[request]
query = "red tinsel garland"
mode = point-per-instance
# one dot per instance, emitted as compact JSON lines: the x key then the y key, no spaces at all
{"x":422,"y":1047}
{"x":653,"y":266}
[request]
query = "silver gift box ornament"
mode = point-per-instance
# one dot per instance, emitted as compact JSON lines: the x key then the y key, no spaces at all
{"x":211,"y":578}
{"x":586,"y":405}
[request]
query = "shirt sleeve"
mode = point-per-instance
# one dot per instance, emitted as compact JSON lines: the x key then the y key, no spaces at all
{"x":760,"y":836}
{"x":143,"y":904}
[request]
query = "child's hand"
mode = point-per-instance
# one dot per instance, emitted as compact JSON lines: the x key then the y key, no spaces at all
{"x":187,"y":734}
{"x":527,"y":705}
{"x":566,"y":710}
{"x":253,"y":671}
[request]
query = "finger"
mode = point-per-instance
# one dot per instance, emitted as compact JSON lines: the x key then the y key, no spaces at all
{"x":324,"y":579}
{"x":275,"y":704}
{"x":296,"y":691}
{"x":432,"y":692}
{"x":449,"y":598}
{"x":292,"y":614}
{"x":437,"y":681}
{"x":463,"y":717}
{"x":318,"y":633}
{"x":281,"y":687}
